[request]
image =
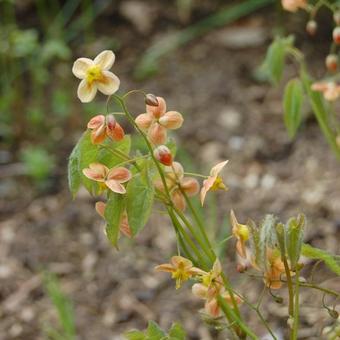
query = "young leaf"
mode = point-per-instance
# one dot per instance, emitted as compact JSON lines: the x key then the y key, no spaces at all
{"x":267,"y":236}
{"x":114,"y":210}
{"x":135,"y":335}
{"x":154,"y":332}
{"x":74,"y":176}
{"x":140,"y":195}
{"x":255,"y":241}
{"x":281,"y":238}
{"x":331,"y":261}
{"x":292,"y":103}
{"x":295,"y":230}
{"x":177,"y":332}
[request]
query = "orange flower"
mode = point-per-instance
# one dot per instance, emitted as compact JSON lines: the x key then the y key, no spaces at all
{"x":103,"y":127}
{"x":163,"y":154}
{"x":330,"y":90}
{"x":181,"y":269}
{"x":293,"y":5}
{"x":110,"y":178}
{"x":124,"y":224}
{"x":156,"y":121}
{"x":177,"y":184}
{"x":214,"y":181}
{"x":275,"y":269}
{"x":241,"y":232}
{"x":95,"y":75}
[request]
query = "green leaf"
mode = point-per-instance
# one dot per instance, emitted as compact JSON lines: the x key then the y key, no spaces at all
{"x":154,"y":332}
{"x":331,"y":261}
{"x":140,"y":195}
{"x":114,"y":210}
{"x":292,"y":104}
{"x":267,"y":236}
{"x":255,"y":241}
{"x":274,"y":61}
{"x":135,"y":335}
{"x":177,"y":332}
{"x":85,"y":153}
{"x":295,"y":231}
{"x":281,"y":238}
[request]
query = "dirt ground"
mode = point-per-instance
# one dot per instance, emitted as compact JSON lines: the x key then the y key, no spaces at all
{"x":228,"y":115}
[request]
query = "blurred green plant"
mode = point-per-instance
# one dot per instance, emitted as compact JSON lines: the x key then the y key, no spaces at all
{"x":64,"y":309}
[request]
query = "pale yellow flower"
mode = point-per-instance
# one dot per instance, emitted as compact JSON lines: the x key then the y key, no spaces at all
{"x":241,"y":233}
{"x":95,"y":75}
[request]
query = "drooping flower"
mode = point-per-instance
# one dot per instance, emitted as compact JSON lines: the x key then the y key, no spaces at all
{"x":103,"y":127}
{"x":330,"y":90}
{"x":275,"y":269}
{"x":109,"y":178}
{"x":241,"y":233}
{"x":156,"y":121}
{"x":293,"y":5}
{"x":95,"y":75}
{"x":214,"y":181}
{"x":181,"y":269}
{"x":124,"y":224}
{"x":177,"y":184}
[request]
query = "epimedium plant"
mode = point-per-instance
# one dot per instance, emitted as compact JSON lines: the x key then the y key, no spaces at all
{"x":321,"y":94}
{"x":128,"y":183}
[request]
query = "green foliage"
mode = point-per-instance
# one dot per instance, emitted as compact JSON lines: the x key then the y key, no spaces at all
{"x":140,"y":196}
{"x":295,"y":231}
{"x":154,"y":332}
{"x":64,"y":309}
{"x":114,"y":211}
{"x":331,"y":261}
{"x":85,"y":153}
{"x":292,"y":104}
{"x":273,"y":65}
{"x":38,"y":163}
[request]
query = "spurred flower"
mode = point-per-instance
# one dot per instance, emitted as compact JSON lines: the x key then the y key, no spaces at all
{"x":293,"y":5}
{"x":124,"y":224}
{"x":95,"y":75}
{"x":330,"y":90}
{"x":181,"y":269}
{"x":177,"y":184}
{"x":110,"y":178}
{"x":103,"y":127}
{"x":241,"y":233}
{"x":156,"y":121}
{"x":275,"y":269}
{"x":214,"y":181}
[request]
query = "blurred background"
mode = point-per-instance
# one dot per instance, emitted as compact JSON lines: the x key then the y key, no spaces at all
{"x":59,"y":277}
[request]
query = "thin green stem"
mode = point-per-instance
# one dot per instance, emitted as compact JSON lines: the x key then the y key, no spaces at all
{"x":296,"y":305}
{"x":195,"y":175}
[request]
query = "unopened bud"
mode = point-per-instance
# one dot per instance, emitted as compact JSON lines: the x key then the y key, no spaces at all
{"x":332,"y":62}
{"x":333,"y":313}
{"x":336,"y":17}
{"x":151,"y":100}
{"x":163,"y":154}
{"x":311,"y":27}
{"x":336,"y":35}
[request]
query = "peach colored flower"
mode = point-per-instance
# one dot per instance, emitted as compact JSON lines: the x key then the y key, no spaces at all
{"x":110,"y":178}
{"x":124,"y":224}
{"x":214,"y":181}
{"x":156,"y":121}
{"x":103,"y":127}
{"x":177,"y":184}
{"x":241,"y":233}
{"x":293,"y":5}
{"x":330,"y":90}
{"x":181,"y":269}
{"x":95,"y":75}
{"x":275,"y":269}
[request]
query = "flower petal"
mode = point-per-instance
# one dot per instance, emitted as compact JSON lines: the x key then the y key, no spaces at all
{"x":157,"y":111}
{"x":207,"y":184}
{"x":105,"y":60}
{"x":171,"y":120}
{"x":96,"y":172}
{"x":177,"y":260}
{"x":117,"y":133}
{"x":199,"y":290}
{"x":166,"y":267}
{"x":86,"y":91}
{"x":120,"y":174}
{"x":98,"y":135}
{"x":157,"y":134}
{"x":217,"y":168}
{"x":124,"y":226}
{"x":109,"y":84}
{"x":178,"y":200}
{"x":144,"y":121}
{"x":80,"y":66}
{"x":190,"y":186}
{"x":100,"y":208}
{"x":115,"y":186}
{"x":96,"y":122}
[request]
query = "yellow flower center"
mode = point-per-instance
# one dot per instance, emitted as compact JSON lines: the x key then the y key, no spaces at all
{"x":181,"y":274}
{"x":243,"y":232}
{"x":207,"y":279}
{"x":218,"y":184}
{"x":94,"y":73}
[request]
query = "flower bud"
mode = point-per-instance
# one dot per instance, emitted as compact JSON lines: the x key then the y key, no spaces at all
{"x":190,"y":186}
{"x":157,"y":134}
{"x":171,"y":120}
{"x":151,"y":100}
{"x":163,"y":155}
{"x":311,"y":27}
{"x":336,"y":35}
{"x":178,"y":200}
{"x":143,"y":121}
{"x":336,"y":17}
{"x":110,"y":121}
{"x":332,"y":62}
